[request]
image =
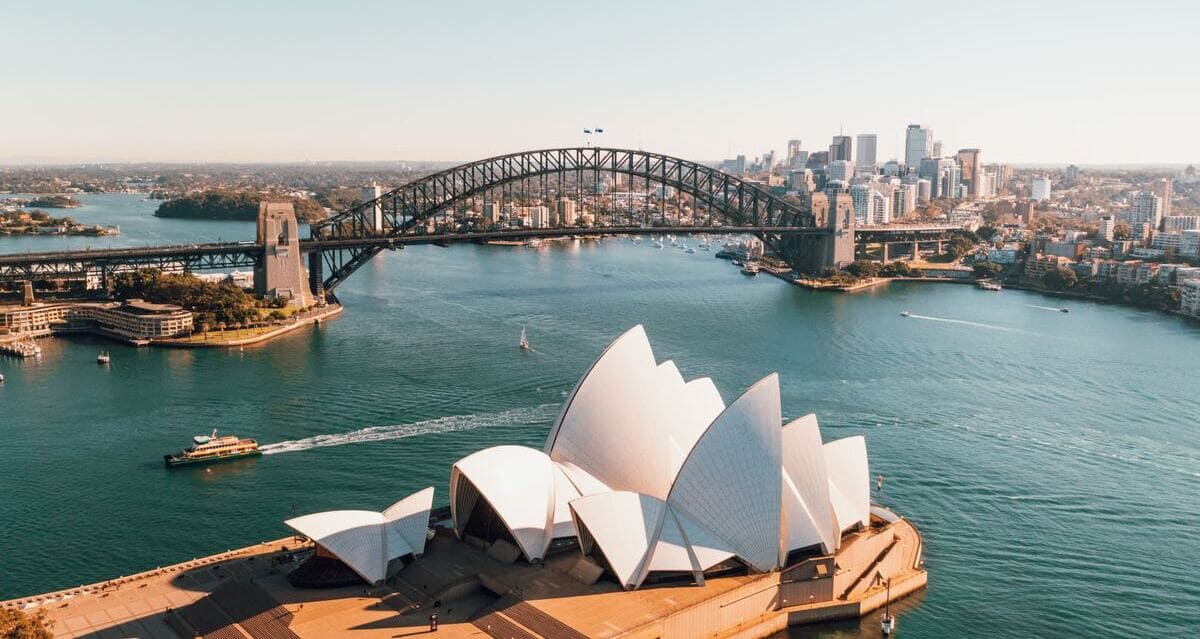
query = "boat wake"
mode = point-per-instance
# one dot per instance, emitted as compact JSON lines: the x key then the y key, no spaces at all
{"x":963,"y":322}
{"x":449,"y":424}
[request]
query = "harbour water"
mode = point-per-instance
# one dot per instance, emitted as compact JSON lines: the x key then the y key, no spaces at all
{"x":1052,"y":461}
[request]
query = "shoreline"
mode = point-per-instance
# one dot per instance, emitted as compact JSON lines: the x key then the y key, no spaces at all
{"x":331,"y":311}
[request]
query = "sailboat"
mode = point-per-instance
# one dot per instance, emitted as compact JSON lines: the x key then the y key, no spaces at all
{"x":524,"y":341}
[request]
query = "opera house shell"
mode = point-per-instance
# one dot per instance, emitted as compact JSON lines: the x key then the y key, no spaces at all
{"x":650,"y":473}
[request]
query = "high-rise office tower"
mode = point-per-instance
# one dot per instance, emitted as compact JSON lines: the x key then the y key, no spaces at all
{"x":918,"y":145}
{"x":1162,"y":188}
{"x":866,"y":150}
{"x":841,"y":149}
{"x":793,"y":150}
{"x":969,"y":160}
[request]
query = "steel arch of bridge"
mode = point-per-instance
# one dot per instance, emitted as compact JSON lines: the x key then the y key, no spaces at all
{"x":405,"y":209}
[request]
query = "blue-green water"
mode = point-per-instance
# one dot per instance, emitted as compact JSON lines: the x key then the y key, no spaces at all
{"x":1051,"y":460}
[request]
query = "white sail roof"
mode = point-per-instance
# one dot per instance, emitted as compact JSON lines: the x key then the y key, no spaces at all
{"x":808,"y":514}
{"x":406,"y":522}
{"x":629,"y":423}
{"x":731,"y":483}
{"x":849,"y":481}
{"x":521,"y":485}
{"x":365,"y":540}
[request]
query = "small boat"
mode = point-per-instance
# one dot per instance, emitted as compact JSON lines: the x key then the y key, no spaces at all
{"x":750,"y":269}
{"x":103,"y":358}
{"x":210,"y":448}
{"x":1064,"y":310}
{"x":905,"y":314}
{"x":524,"y":343}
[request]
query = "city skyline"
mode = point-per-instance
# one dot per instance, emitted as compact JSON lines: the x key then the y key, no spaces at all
{"x":277,"y":83}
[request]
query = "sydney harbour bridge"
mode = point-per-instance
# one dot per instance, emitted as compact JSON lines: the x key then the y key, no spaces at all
{"x":436,"y":209}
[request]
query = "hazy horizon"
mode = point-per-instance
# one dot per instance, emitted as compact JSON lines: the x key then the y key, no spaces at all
{"x":1031,"y":84}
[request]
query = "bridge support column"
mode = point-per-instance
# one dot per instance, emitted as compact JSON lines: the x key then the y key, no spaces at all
{"x":316,"y":277}
{"x":280,"y":273}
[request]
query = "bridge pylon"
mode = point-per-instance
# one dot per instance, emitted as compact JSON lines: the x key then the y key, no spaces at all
{"x":280,"y":272}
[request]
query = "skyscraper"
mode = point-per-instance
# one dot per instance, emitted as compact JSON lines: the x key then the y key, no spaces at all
{"x":841,"y":149}
{"x":969,"y":160}
{"x":793,"y":151}
{"x":866,"y":150}
{"x":918,"y":144}
{"x":1162,"y":188}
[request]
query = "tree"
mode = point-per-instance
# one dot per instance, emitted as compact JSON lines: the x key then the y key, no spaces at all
{"x":987,"y":270}
{"x":863,"y":268}
{"x":1059,"y":279}
{"x":16,"y":624}
{"x":1122,"y":231}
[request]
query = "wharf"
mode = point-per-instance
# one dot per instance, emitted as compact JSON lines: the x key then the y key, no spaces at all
{"x":245,"y":593}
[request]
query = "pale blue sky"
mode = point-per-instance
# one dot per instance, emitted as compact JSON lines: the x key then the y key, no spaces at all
{"x":1048,"y":81}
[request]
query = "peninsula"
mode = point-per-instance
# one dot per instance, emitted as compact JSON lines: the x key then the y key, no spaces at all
{"x":233,"y":205}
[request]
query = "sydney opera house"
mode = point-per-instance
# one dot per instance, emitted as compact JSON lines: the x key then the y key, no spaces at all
{"x":647,"y":483}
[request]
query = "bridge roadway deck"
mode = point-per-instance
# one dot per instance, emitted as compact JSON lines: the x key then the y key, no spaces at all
{"x":250,"y":248}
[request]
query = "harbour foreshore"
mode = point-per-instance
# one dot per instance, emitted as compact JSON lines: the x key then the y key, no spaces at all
{"x":473,"y":594}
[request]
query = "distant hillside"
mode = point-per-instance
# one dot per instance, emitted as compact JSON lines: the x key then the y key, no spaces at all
{"x":232,"y":205}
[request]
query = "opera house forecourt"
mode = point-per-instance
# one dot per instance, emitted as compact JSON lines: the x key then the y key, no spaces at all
{"x":655,"y":509}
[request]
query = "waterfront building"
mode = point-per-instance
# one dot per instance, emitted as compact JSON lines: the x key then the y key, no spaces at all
{"x":969,"y":163}
{"x":861,"y":196}
{"x":841,"y":149}
{"x":1146,"y":214}
{"x":1163,"y":187}
{"x":918,"y":145}
{"x":727,"y":483}
{"x":866,"y":151}
{"x":1190,"y":301}
{"x":134,"y":321}
{"x":1189,"y":244}
{"x":565,"y":211}
{"x":1178,"y":223}
{"x":371,"y":544}
{"x":491,"y":213}
{"x":1039,"y":265}
{"x":1039,"y":189}
{"x":1165,"y":241}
